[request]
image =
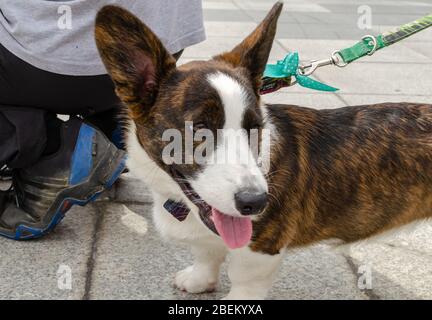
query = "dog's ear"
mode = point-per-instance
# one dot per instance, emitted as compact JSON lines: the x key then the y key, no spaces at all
{"x":134,"y":57}
{"x":254,"y":51}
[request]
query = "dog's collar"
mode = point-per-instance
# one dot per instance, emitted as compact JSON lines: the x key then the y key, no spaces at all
{"x":177,"y":209}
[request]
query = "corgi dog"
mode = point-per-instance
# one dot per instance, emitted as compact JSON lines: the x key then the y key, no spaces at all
{"x":347,"y":173}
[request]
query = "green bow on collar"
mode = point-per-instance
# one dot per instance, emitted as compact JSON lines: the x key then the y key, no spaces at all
{"x":289,"y":67}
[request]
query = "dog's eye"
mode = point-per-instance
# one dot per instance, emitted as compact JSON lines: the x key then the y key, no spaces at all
{"x":199,"y":126}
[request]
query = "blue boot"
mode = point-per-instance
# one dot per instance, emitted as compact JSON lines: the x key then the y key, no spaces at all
{"x":85,"y":165}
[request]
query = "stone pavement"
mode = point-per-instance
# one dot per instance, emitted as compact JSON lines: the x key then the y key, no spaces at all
{"x":111,"y":247}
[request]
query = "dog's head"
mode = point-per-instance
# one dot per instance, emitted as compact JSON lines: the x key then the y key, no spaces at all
{"x":213,"y":107}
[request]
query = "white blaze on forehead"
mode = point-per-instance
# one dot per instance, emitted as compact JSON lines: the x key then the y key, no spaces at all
{"x":233,"y":97}
{"x":233,"y":167}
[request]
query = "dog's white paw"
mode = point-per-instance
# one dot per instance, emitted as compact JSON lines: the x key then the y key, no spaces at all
{"x":194,"y":281}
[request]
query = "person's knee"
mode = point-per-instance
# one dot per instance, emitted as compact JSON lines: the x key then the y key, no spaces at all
{"x":27,"y":136}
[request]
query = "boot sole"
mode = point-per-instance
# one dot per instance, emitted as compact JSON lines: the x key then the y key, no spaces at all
{"x":102,"y":178}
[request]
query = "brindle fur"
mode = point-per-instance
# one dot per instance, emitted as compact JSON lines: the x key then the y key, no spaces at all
{"x":346,"y":173}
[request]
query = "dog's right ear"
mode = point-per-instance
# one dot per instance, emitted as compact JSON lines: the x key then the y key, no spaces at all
{"x":134,"y":57}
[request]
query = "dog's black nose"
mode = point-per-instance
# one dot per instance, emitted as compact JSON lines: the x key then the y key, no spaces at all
{"x":250,"y":202}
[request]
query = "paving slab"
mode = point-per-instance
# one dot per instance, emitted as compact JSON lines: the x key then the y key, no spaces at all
{"x":304,"y":18}
{"x":232,"y":29}
{"x":395,"y":3}
{"x":385,"y":9}
{"x":312,"y":100}
{"x":361,"y":99}
{"x":380,"y":78}
{"x":397,"y":19}
{"x":397,"y":273}
{"x":316,"y":272}
{"x":216,"y":45}
{"x":131,"y":189}
{"x":289,"y":6}
{"x":422,"y":48}
{"x":290,"y":30}
{"x":34,"y":269}
{"x":226,"y":15}
{"x":134,"y":263}
{"x":111,"y":247}
{"x":219,"y":5}
{"x":416,"y":237}
{"x":319,"y":31}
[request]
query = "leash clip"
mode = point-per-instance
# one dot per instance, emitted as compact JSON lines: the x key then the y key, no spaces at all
{"x":336,"y":58}
{"x":311,"y":67}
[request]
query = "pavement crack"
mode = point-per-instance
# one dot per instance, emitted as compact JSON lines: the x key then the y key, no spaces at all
{"x":409,"y":249}
{"x":369,"y":293}
{"x":339,"y":97}
{"x":93,"y":251}
{"x":245,"y":12}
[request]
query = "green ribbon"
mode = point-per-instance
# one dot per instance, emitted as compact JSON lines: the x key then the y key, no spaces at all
{"x":289,"y":67}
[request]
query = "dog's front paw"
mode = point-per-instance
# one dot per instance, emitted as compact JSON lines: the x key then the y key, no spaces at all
{"x":194,"y":281}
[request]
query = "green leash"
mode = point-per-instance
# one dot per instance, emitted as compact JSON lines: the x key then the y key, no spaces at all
{"x":279,"y":75}
{"x":370,"y":44}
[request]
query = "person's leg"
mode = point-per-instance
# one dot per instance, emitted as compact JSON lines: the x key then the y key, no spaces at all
{"x":23,"y":135}
{"x":55,"y":164}
{"x":30,"y":98}
{"x":49,"y":157}
{"x":109,"y":123}
{"x":23,"y":85}
{"x":82,"y":166}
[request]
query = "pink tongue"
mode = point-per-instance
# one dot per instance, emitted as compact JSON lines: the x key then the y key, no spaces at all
{"x":235,"y":232}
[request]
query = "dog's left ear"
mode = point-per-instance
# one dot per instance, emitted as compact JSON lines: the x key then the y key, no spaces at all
{"x":134,"y":57}
{"x":254,"y":51}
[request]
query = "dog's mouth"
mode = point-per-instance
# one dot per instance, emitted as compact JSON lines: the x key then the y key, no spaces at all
{"x":236,"y":232}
